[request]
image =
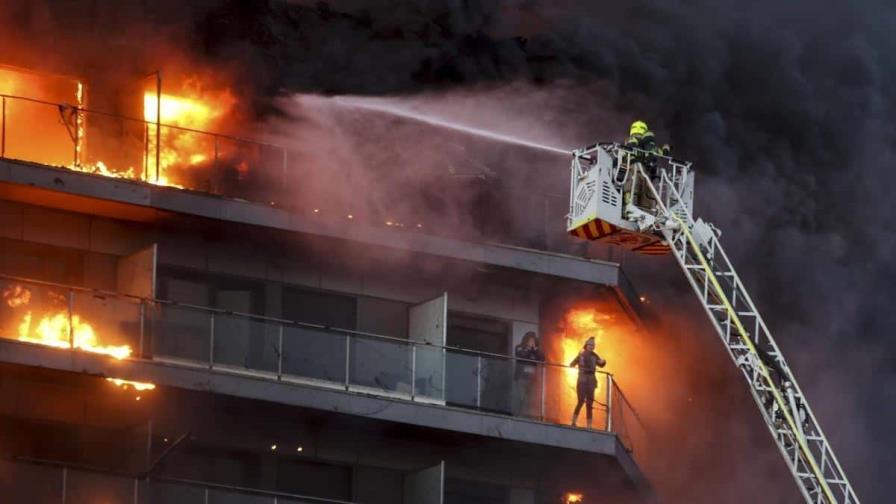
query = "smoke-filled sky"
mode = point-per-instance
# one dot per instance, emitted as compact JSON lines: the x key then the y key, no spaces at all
{"x":784,"y":107}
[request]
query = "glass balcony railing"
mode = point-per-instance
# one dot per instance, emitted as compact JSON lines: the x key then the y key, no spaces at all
{"x":51,"y":482}
{"x":129,"y":327}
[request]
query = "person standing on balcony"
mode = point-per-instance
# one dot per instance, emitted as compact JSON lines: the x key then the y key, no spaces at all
{"x":587,"y":361}
{"x":529,"y":356}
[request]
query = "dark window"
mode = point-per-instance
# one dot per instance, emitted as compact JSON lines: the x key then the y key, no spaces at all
{"x":469,"y":375}
{"x":474,"y":492}
{"x":478,"y":333}
{"x":316,"y":307}
{"x":373,"y":485}
{"x":314,"y":479}
{"x":207,"y":289}
{"x":42,"y":262}
{"x":184,"y":333}
{"x":382,"y":316}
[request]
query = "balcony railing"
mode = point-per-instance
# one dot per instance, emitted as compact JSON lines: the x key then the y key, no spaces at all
{"x":133,"y":148}
{"x":289,"y":351}
{"x":53,"y":482}
{"x":114,"y":145}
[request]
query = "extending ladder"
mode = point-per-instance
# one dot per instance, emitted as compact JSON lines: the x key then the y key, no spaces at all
{"x":696,"y":247}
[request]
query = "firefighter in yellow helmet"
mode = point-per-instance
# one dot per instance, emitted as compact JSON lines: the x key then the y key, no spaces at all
{"x":642,"y":142}
{"x":640,"y":137}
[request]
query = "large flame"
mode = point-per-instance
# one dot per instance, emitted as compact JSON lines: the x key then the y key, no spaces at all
{"x":33,"y":130}
{"x":58,"y":328}
{"x":583,"y":323}
{"x":72,"y":136}
{"x":612,"y":331}
{"x":182,"y":117}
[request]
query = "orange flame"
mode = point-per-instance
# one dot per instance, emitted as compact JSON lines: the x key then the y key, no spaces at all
{"x":57,"y":135}
{"x":33,"y":130}
{"x":58,"y":329}
{"x":611,"y":330}
{"x":581,"y":324}
{"x":136,"y":385}
{"x":16,"y":296}
{"x":573,"y":497}
{"x":181,"y":149}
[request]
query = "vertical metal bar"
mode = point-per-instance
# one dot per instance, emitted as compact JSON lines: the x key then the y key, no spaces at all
{"x":413,"y":370}
{"x":444,"y":377}
{"x":136,"y":491}
{"x":142,"y":352}
{"x":285,"y":178}
{"x":64,"y":483}
{"x":280,"y":352}
{"x":212,"y":183}
{"x":3,"y":134}
{"x":158,"y":121}
{"x":609,"y":403}
{"x":71,"y":320}
{"x":77,"y":138}
{"x":211,"y":342}
{"x":149,"y":444}
{"x":347,"y":356}
{"x":543,"y":387}
{"x":205,"y":496}
{"x":145,"y":151}
{"x":478,"y":380}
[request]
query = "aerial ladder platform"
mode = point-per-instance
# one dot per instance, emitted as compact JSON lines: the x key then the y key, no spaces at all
{"x":644,"y":202}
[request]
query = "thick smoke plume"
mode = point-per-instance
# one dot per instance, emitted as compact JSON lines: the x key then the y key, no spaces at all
{"x":785,"y":108}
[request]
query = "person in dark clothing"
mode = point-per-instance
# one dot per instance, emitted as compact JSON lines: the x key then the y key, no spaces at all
{"x":780,"y":381}
{"x":587,"y":361}
{"x":526,"y":374}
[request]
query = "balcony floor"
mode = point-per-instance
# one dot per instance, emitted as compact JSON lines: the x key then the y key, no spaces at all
{"x":599,"y":446}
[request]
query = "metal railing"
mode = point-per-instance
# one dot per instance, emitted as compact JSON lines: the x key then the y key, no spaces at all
{"x":115,"y":145}
{"x":139,"y":149}
{"x":131,"y":327}
{"x":51,"y":481}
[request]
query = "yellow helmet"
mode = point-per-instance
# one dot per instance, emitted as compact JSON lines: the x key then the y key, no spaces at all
{"x":638,"y":128}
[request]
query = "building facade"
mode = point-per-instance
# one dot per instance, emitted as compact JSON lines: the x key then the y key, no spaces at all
{"x":189,"y":332}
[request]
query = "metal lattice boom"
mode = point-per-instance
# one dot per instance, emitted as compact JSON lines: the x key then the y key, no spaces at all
{"x":648,"y":210}
{"x":737,"y":321}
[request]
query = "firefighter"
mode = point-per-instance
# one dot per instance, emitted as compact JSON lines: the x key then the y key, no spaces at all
{"x":645,"y":151}
{"x":587,"y":361}
{"x":640,"y":137}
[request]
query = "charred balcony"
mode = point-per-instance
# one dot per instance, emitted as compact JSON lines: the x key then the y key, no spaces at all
{"x":168,"y":135}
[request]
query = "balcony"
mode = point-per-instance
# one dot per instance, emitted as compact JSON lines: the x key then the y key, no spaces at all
{"x":302,"y":355}
{"x":246,"y":170}
{"x":51,"y":482}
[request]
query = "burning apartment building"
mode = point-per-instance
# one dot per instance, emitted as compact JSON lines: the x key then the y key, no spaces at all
{"x":193,"y":312}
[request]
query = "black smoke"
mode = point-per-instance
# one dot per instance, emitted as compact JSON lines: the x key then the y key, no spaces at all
{"x":785,"y":108}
